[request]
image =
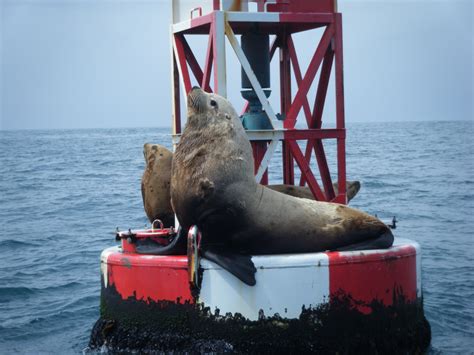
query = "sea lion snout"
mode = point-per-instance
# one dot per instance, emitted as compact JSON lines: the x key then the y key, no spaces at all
{"x":196,"y":101}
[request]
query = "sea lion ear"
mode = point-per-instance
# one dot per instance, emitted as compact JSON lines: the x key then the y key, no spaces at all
{"x":227,"y":116}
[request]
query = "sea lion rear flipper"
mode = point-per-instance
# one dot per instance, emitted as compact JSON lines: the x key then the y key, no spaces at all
{"x":382,"y":242}
{"x":239,"y":265}
{"x":177,"y":247}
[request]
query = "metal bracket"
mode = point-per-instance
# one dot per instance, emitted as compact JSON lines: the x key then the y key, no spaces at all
{"x":194,"y":239}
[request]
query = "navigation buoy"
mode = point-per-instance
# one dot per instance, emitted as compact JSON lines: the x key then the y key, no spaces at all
{"x":331,"y":291}
{"x":329,"y":302}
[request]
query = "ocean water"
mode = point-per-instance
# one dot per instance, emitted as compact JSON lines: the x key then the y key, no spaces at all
{"x":63,"y":192}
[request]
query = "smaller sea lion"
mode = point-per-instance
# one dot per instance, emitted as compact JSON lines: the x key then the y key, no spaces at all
{"x":352,"y":188}
{"x":156,"y":184}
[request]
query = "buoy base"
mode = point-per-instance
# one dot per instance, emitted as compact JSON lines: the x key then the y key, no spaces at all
{"x":335,"y":326}
{"x":331,"y":302}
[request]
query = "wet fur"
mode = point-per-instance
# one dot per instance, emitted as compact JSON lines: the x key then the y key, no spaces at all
{"x":155,"y":184}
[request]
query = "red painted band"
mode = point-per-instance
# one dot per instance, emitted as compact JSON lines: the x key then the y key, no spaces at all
{"x":374,"y":276}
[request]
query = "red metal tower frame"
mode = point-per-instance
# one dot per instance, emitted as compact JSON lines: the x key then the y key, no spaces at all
{"x":281,"y":18}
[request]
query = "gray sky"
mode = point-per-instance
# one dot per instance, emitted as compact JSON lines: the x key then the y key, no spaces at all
{"x":105,"y":63}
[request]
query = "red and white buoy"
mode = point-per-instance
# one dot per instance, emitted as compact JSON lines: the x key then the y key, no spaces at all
{"x":303,"y":302}
{"x":285,"y":283}
{"x":359,"y":301}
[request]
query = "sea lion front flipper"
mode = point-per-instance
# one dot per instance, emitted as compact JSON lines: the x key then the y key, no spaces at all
{"x":177,"y":247}
{"x":239,"y":265}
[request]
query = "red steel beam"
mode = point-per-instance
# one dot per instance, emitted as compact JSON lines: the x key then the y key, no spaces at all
{"x":316,"y":119}
{"x":285,"y":75}
{"x":340,"y":124}
{"x":298,"y":77}
{"x":176,"y":99}
{"x":259,"y":148}
{"x":306,"y":171}
{"x":288,"y":164}
{"x":323,"y":168}
{"x":285,"y":104}
{"x":192,"y":61}
{"x":208,"y":63}
{"x":339,"y":73}
{"x":309,"y":77}
{"x":316,"y":122}
{"x":301,"y":134}
{"x":215,"y":56}
{"x":182,"y":62}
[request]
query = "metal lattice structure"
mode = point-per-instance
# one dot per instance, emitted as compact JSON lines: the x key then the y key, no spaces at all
{"x":224,"y":20}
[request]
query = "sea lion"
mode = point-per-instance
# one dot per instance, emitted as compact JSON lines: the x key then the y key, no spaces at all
{"x":213,"y":187}
{"x":156,"y":184}
{"x":352,"y":188}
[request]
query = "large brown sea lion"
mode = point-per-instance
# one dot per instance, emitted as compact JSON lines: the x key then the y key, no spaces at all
{"x":213,"y":187}
{"x":156,"y":184}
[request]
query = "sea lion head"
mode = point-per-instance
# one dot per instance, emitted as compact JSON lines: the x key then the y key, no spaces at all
{"x":147,"y":151}
{"x":200,"y":102}
{"x":156,"y":152}
{"x":353,"y":188}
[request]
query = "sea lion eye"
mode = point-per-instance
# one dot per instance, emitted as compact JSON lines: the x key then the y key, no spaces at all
{"x":213,"y":103}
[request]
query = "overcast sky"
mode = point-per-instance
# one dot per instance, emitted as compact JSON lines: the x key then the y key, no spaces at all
{"x":105,"y":63}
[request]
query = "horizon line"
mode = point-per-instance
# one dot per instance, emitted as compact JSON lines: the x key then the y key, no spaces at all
{"x":169,"y":127}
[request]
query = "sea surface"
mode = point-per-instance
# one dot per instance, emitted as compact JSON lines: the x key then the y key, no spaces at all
{"x":63,"y":193}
